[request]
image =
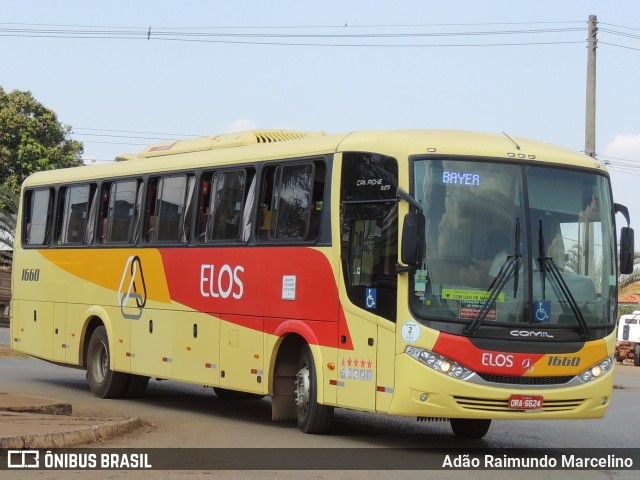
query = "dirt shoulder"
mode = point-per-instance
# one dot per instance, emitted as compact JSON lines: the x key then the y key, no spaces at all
{"x":6,"y":352}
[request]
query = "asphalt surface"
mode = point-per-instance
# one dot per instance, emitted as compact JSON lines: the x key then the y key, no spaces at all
{"x":28,"y":421}
{"x":31,"y":421}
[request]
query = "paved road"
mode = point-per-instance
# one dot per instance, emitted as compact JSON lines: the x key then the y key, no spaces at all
{"x":191,"y":416}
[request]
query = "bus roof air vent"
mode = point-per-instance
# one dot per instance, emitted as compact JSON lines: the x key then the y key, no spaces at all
{"x":230,"y":140}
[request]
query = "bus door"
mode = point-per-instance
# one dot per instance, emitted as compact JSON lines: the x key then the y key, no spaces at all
{"x":369,"y":245}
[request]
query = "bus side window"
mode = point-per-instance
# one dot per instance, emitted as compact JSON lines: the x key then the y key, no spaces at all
{"x":204,"y":199}
{"x":228,"y":192}
{"x":317,"y":201}
{"x":292,"y":201}
{"x":91,"y":221}
{"x":103,"y":226}
{"x":73,"y":213}
{"x":264,"y":219}
{"x":150,"y":214}
{"x":119,"y":211}
{"x":38,"y":217}
{"x":188,"y":211}
{"x":167,"y":204}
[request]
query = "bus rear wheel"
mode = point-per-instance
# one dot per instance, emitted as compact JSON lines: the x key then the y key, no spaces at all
{"x":312,"y":417}
{"x":104,"y":382}
{"x":470,"y":428}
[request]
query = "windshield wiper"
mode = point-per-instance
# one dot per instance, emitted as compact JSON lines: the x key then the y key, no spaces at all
{"x":547,"y":264}
{"x":510,"y":267}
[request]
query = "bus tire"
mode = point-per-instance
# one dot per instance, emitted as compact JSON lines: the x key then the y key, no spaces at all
{"x":136,"y":386}
{"x":312,"y":417}
{"x":636,"y":356}
{"x":104,"y":382}
{"x":470,"y":428}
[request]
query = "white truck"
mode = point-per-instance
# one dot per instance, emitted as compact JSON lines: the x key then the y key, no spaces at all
{"x":628,"y":344}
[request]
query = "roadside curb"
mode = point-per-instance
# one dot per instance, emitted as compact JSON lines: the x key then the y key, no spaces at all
{"x":52,"y":409}
{"x":101,"y":430}
{"x":33,"y":404}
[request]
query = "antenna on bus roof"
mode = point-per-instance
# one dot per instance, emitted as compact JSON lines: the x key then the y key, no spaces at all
{"x":514,"y":142}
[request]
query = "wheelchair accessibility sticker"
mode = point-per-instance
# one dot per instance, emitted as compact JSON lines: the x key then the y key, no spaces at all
{"x":135,"y":289}
{"x":371,"y":298}
{"x":542,"y":311}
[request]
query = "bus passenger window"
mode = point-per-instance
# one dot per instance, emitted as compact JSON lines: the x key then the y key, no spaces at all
{"x":203,"y":206}
{"x":292,"y":201}
{"x":91,"y":221}
{"x":188,"y":211}
{"x":169,"y":198}
{"x":227,"y":198}
{"x":317,"y":201}
{"x":73,"y":212}
{"x":37,"y":220}
{"x":117,"y":211}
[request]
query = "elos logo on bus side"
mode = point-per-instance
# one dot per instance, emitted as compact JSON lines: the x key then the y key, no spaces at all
{"x":136,"y":290}
{"x":222,"y":282}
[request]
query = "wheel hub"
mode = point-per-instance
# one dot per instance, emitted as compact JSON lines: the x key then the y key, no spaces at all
{"x":301,"y":392}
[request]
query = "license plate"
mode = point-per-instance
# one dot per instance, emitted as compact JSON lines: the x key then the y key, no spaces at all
{"x":526,"y":402}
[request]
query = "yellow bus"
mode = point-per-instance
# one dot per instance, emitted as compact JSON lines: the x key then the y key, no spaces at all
{"x":436,"y":274}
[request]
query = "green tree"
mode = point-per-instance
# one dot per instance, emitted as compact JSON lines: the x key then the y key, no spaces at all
{"x":32,"y":139}
{"x":8,"y":213}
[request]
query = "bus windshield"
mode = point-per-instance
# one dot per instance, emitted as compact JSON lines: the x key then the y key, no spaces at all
{"x":509,"y":244}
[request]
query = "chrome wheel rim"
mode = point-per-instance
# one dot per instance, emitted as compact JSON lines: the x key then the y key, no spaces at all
{"x":99,"y":362}
{"x":302,"y":391}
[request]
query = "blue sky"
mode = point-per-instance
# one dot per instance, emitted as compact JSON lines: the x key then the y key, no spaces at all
{"x":107,"y":88}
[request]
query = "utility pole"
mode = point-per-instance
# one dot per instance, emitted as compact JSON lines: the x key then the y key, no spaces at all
{"x":590,"y":121}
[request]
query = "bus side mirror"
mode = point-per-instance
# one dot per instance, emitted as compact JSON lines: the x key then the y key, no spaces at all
{"x":412,"y":242}
{"x":626,"y":250}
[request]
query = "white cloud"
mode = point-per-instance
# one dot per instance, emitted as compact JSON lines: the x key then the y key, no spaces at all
{"x":625,"y":146}
{"x":242,"y":125}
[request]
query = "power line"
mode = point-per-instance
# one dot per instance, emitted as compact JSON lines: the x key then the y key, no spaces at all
{"x":292,"y":27}
{"x":619,"y":26}
{"x":138,"y":132}
{"x":241,"y":36}
{"x":619,"y":46}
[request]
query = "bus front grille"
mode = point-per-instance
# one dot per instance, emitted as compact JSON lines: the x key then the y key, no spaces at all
{"x":502,"y":405}
{"x":512,"y":380}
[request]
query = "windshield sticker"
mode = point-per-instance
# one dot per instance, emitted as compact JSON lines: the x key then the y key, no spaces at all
{"x":474,"y":295}
{"x":371,"y":298}
{"x":472,"y":308}
{"x":411,"y":331}
{"x":420,"y":281}
{"x":542,"y":311}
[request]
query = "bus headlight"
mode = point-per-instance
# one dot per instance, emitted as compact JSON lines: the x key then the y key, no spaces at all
{"x":439,"y":363}
{"x":596,"y":371}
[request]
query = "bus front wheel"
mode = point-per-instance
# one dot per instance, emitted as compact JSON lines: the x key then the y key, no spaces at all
{"x":104,"y":382}
{"x":312,"y":416}
{"x":470,"y":428}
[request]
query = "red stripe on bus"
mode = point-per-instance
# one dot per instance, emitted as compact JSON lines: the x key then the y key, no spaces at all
{"x":461,"y":350}
{"x":251,"y":287}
